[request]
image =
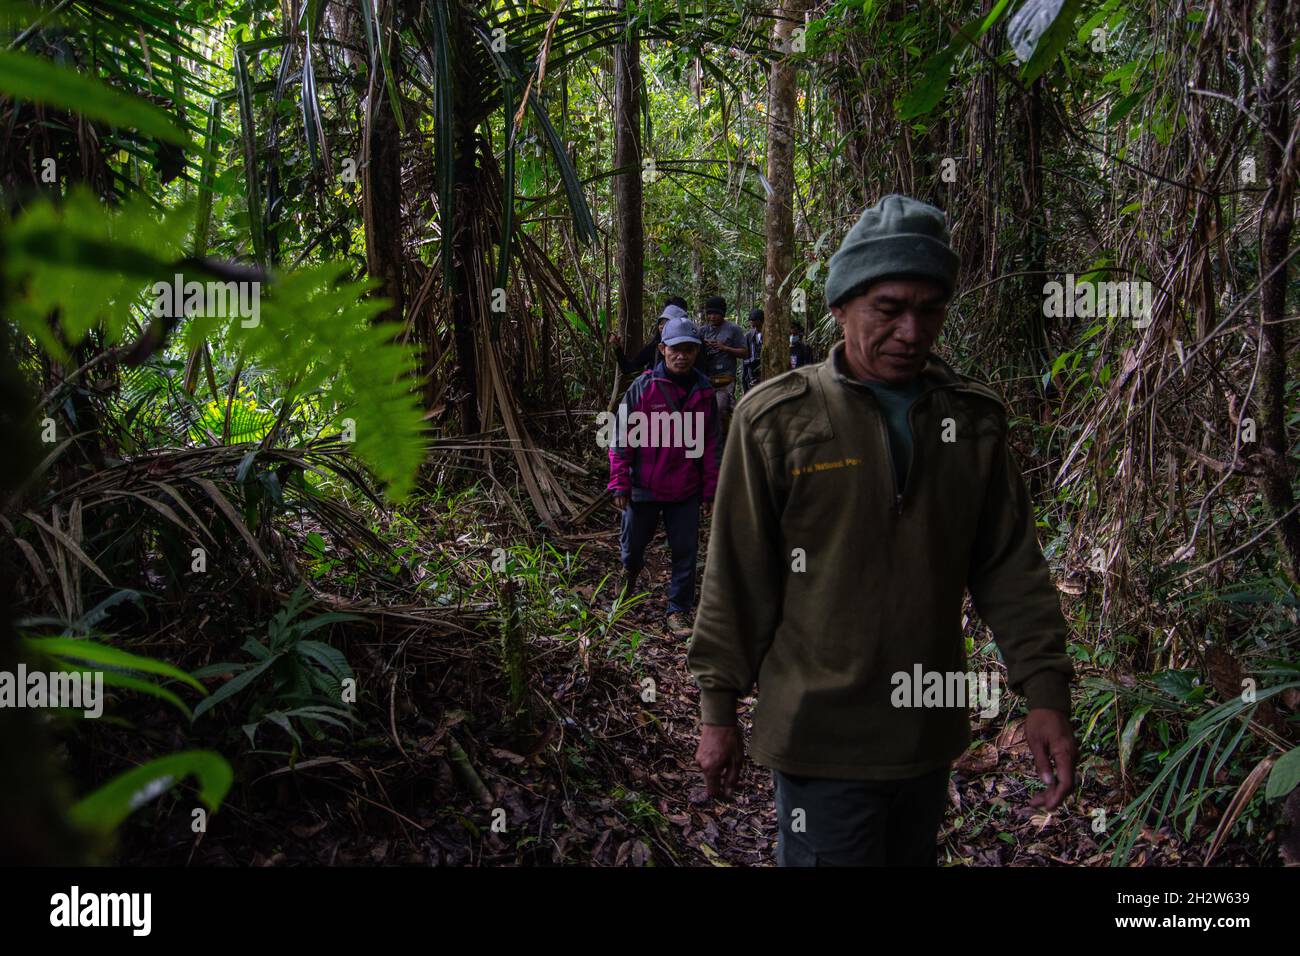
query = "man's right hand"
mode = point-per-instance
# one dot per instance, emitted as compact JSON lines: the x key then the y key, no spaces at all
{"x":720,"y":755}
{"x":620,"y":502}
{"x":1051,"y":740}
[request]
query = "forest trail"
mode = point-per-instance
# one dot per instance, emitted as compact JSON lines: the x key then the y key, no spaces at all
{"x":661,"y":756}
{"x":611,"y":779}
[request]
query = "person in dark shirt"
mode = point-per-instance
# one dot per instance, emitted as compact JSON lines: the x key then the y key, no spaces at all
{"x":649,"y":354}
{"x":724,"y":342}
{"x":800,"y":353}
{"x":751,"y":369}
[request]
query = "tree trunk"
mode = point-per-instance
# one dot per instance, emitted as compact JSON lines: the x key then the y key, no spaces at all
{"x":381,"y":179}
{"x":1280,"y":173}
{"x":779,"y":215}
{"x":34,"y":829}
{"x":627,"y":187}
{"x":466,"y":286}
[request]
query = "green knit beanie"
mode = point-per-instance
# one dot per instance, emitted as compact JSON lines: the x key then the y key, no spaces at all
{"x":898,"y":236}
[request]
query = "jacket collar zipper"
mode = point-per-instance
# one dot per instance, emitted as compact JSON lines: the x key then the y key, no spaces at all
{"x":901,"y":493}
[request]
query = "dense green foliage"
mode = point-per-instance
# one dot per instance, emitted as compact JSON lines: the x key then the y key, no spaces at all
{"x":379,"y":172}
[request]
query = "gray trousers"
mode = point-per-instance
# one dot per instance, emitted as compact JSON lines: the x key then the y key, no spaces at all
{"x":859,"y":822}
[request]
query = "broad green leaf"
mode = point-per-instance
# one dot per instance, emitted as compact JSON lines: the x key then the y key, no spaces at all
{"x":1047,"y":47}
{"x":104,"y":809}
{"x":72,"y":648}
{"x":330,"y":658}
{"x":1179,"y":683}
{"x":1129,"y":738}
{"x":233,"y":686}
{"x":24,"y":76}
{"x":929,"y":90}
{"x":1125,"y":105}
{"x":114,"y":679}
{"x":1285,"y":775}
{"x":1026,"y":28}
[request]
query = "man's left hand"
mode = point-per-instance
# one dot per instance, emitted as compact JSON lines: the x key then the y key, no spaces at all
{"x":1051,"y":740}
{"x":707,"y":508}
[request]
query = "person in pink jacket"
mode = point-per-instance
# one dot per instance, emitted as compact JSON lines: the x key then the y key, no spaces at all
{"x":664,"y":454}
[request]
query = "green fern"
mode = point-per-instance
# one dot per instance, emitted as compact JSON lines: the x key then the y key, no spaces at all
{"x":93,"y":268}
{"x":88,"y":266}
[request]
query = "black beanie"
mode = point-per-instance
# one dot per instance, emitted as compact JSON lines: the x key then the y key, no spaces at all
{"x":715,"y":303}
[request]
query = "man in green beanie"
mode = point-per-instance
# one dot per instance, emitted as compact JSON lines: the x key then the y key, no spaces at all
{"x":859,"y":499}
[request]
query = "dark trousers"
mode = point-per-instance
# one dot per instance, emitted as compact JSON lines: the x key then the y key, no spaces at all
{"x":859,"y":822}
{"x":724,"y":398}
{"x":682,"y":523}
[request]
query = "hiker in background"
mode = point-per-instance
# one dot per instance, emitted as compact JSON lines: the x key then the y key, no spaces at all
{"x":649,"y":354}
{"x":800,"y":353}
{"x":648,"y":480}
{"x":751,"y":370}
{"x":724,"y":342}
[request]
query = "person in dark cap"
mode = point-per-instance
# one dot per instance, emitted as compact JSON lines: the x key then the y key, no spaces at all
{"x":649,"y":354}
{"x":751,"y":369}
{"x":724,"y":343}
{"x":674,"y":479}
{"x":861,"y":499}
{"x":800,"y":352}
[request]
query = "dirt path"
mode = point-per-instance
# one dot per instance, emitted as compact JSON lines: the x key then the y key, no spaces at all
{"x":660,"y":753}
{"x":437,"y":778}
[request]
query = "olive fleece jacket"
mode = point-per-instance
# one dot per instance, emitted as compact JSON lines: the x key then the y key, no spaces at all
{"x":825,"y":580}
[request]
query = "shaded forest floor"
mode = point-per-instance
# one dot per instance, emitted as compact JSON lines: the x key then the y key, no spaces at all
{"x":608,"y":778}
